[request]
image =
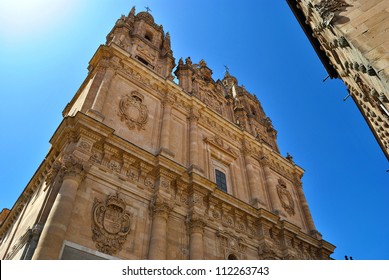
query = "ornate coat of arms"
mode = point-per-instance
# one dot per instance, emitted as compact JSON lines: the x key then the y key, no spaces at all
{"x":111,"y":224}
{"x":285,"y":197}
{"x":132,"y":111}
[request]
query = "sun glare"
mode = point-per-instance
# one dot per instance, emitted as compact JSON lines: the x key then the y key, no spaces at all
{"x":21,"y":18}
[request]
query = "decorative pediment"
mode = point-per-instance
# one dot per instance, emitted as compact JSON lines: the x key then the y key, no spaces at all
{"x":221,"y":151}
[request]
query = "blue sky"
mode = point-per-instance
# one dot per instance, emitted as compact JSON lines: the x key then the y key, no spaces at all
{"x":45,"y":47}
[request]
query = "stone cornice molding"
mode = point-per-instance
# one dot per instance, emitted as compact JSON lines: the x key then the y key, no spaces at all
{"x":89,"y":134}
{"x":231,"y":241}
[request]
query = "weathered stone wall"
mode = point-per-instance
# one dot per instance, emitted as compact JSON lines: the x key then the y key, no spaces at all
{"x":354,"y":36}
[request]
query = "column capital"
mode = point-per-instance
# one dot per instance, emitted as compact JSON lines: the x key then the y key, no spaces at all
{"x":160,"y":207}
{"x":194,"y":115}
{"x":247,"y":148}
{"x":196,"y":223}
{"x":73,"y":167}
{"x":168,"y":101}
{"x":264,"y":160}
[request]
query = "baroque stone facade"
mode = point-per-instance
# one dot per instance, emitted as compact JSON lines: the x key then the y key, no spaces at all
{"x":144,"y":168}
{"x":350,"y":37}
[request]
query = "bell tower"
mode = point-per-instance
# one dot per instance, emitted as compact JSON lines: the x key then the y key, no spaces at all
{"x":249,"y":114}
{"x":145,"y":41}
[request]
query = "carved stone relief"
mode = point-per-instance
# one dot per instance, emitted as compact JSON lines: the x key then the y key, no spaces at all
{"x":132,"y":111}
{"x":328,"y":8}
{"x":285,"y":197}
{"x":231,"y":244}
{"x":111,"y":224}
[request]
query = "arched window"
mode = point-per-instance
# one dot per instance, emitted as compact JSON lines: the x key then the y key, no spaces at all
{"x":149,"y":36}
{"x":232,"y":257}
{"x":253,"y":111}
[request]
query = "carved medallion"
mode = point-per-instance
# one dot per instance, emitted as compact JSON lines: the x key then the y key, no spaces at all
{"x":285,"y":197}
{"x":132,"y":111}
{"x":111,"y":224}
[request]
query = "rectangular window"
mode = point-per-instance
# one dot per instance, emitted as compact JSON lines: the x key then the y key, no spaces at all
{"x":221,"y":181}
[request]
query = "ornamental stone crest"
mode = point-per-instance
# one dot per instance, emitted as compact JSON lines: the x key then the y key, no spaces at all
{"x":285,"y":197}
{"x":132,"y":111}
{"x":328,"y":8}
{"x":111,"y":224}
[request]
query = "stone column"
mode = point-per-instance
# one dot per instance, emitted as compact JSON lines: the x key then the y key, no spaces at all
{"x":54,"y":231}
{"x":165,"y":129}
{"x":158,"y":238}
{"x":304,"y":205}
{"x":196,"y":246}
{"x":193,"y":140}
{"x":271,"y":183}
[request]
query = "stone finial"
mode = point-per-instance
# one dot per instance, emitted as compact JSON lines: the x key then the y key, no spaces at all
{"x":289,"y":157}
{"x":132,"y":12}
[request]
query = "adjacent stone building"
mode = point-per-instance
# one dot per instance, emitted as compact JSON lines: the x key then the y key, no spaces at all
{"x":144,"y":168}
{"x":351,"y":39}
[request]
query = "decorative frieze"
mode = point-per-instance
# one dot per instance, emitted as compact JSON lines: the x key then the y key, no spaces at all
{"x":267,"y":250}
{"x":230,"y":244}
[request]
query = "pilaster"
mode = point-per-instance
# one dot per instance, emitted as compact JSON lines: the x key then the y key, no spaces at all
{"x":196,"y":226}
{"x":193,"y":140}
{"x":54,"y":231}
{"x":167,"y":104}
{"x":271,"y":184}
{"x":160,"y":210}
